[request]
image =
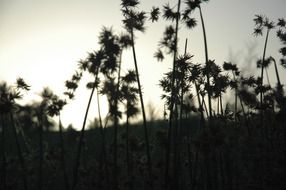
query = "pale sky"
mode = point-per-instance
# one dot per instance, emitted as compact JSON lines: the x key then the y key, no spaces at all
{"x":43,"y":40}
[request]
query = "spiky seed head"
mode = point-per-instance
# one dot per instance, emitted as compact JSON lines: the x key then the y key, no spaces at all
{"x":259,"y":20}
{"x":257,"y":31}
{"x":154,"y":14}
{"x":129,"y":3}
{"x":21,"y":84}
{"x":191,"y":23}
{"x":281,"y":22}
{"x":159,"y":55}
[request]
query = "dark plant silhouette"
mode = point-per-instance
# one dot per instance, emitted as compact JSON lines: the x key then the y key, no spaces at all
{"x":262,"y":22}
{"x":170,"y":41}
{"x":46,"y":96}
{"x":54,"y":109}
{"x":130,"y":99}
{"x":227,"y":66}
{"x":192,"y":5}
{"x":134,"y":20}
{"x":281,"y":34}
{"x":241,"y":146}
{"x":8,"y":97}
{"x":93,"y":65}
{"x":154,"y":14}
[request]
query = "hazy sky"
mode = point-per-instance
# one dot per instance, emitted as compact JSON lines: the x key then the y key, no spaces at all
{"x":42,"y":41}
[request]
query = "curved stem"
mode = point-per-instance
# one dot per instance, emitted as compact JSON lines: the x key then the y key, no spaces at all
{"x":116,"y":126}
{"x":202,"y":119}
{"x":207,"y":60}
{"x":143,"y":110}
{"x":168,"y":152}
{"x":103,"y":141}
{"x":262,"y":66}
{"x":277,"y":73}
{"x":78,"y":153}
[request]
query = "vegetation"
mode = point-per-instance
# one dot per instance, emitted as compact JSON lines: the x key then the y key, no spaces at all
{"x":203,"y":143}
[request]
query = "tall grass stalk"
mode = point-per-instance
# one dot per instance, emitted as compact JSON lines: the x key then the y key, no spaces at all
{"x":262,"y":66}
{"x":207,"y":60}
{"x":80,"y":143}
{"x":171,"y":115}
{"x":146,"y":135}
{"x":103,"y":155}
{"x":129,"y":169}
{"x":279,"y":86}
{"x":202,"y":118}
{"x":115,"y":169}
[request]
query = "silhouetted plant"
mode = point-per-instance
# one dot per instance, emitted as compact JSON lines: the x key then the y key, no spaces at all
{"x":154,"y":14}
{"x":72,"y":84}
{"x":262,"y":22}
{"x":54,"y":109}
{"x":129,"y":95}
{"x":220,"y":156}
{"x":219,"y":83}
{"x":42,"y":111}
{"x":8,"y":98}
{"x":192,"y":5}
{"x":247,"y":91}
{"x":233,"y":84}
{"x":113,"y":46}
{"x":93,"y":64}
{"x":135,"y":20}
{"x":281,"y":34}
{"x":170,"y":41}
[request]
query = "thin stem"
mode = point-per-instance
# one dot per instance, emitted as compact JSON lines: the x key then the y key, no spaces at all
{"x":178,"y":128}
{"x":261,"y":93}
{"x":200,"y":104}
{"x":244,"y":115}
{"x":103,"y":142}
{"x":143,"y":110}
{"x":207,"y":60}
{"x":221,"y":107}
{"x":205,"y":106}
{"x":130,"y":181}
{"x":116,"y":127}
{"x":267,"y":76}
{"x":262,"y":66}
{"x":277,"y":73}
{"x":168,"y":152}
{"x":98,"y":109}
{"x":78,"y":153}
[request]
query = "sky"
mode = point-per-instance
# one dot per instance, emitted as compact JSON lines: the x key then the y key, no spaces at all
{"x":43,"y":40}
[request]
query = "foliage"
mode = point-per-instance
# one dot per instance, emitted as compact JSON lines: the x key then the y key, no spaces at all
{"x":232,"y":145}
